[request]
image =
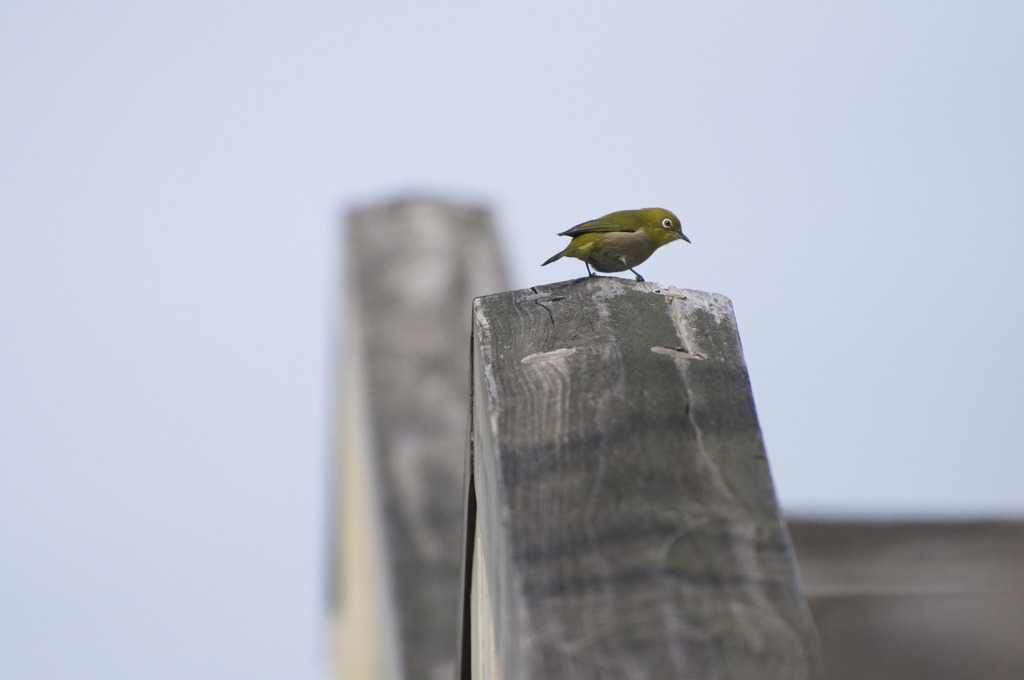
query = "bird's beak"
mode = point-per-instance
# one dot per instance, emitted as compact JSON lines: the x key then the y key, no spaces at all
{"x":683,"y":236}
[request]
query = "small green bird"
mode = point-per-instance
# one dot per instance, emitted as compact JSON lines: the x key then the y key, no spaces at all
{"x":621,"y":240}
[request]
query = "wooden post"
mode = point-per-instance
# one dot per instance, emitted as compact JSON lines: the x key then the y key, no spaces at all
{"x":625,"y":520}
{"x":413,"y":269}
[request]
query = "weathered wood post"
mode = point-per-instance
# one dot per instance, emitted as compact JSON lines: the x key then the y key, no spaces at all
{"x":413,"y":268}
{"x":622,"y":521}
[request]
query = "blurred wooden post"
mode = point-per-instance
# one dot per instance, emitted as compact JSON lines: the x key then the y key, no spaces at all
{"x":413,"y":268}
{"x":625,"y":521}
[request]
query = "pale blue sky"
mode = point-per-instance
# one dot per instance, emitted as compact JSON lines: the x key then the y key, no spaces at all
{"x":851,"y":175}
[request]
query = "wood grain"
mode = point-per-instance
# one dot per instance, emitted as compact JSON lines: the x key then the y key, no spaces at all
{"x":627,"y":517}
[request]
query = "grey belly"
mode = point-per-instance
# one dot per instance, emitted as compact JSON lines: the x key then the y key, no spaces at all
{"x":623,"y":250}
{"x":607,"y":264}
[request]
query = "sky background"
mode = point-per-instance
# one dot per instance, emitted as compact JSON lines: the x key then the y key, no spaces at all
{"x":172,"y":175}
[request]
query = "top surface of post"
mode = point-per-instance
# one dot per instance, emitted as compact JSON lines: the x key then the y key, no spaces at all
{"x":623,"y":490}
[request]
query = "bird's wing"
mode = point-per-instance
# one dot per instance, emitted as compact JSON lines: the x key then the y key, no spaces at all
{"x":598,"y":225}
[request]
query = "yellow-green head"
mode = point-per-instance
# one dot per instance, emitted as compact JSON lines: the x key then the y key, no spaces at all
{"x":621,"y":240}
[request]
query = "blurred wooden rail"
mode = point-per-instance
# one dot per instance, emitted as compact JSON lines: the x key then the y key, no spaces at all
{"x":622,"y":521}
{"x":939,"y":599}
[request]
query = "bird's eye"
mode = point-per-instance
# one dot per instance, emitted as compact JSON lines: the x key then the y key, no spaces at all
{"x":667,"y":223}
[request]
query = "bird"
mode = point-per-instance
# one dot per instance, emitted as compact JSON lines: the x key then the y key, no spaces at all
{"x":621,"y":240}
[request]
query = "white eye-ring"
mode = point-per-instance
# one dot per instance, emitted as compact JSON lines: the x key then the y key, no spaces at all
{"x":667,"y":223}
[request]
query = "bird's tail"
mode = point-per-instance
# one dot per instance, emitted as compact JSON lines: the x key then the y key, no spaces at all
{"x":554,"y":257}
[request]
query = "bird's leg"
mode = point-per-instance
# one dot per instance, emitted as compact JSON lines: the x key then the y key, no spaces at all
{"x":638,"y":277}
{"x":589,"y":273}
